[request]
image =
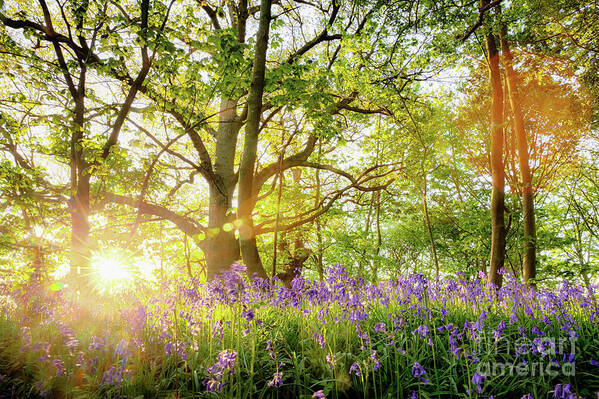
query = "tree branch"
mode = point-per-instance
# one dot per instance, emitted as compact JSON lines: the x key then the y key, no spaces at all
{"x":186,"y":224}
{"x":479,"y":20}
{"x":137,"y":83}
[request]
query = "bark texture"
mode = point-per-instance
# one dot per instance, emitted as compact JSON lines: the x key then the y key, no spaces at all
{"x":221,"y":247}
{"x":528,"y":211}
{"x":247,"y":237}
{"x":497,"y":208}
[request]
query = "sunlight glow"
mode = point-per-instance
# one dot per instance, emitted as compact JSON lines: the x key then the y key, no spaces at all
{"x":111,"y":271}
{"x":115,"y":269}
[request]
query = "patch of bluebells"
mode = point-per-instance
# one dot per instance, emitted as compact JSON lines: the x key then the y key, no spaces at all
{"x":418,"y":372}
{"x":563,"y":392}
{"x":113,"y":376}
{"x":416,"y":313}
{"x":225,"y":363}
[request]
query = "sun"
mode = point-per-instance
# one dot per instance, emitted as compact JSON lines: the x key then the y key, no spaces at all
{"x":111,"y":271}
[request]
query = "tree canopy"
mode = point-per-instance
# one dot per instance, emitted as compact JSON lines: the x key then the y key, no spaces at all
{"x":389,"y":136}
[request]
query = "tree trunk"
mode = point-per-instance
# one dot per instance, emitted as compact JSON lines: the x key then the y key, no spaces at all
{"x":187,"y":256}
{"x":221,"y":247}
{"x":497,"y":207}
{"x":79,"y":201}
{"x":278,"y":217}
{"x":319,"y":250}
{"x":379,"y":237}
{"x":528,"y":213}
{"x":247,"y":237}
{"x":429,"y":228}
{"x":362,"y":259}
{"x":80,"y":249}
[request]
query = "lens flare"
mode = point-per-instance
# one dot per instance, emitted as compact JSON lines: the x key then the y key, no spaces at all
{"x":57,"y":286}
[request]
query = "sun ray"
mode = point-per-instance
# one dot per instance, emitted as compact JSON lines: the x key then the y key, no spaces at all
{"x":111,"y":271}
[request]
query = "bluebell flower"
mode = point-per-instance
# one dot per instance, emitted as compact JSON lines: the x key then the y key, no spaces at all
{"x":376,"y":364}
{"x":478,"y":379}
{"x":418,"y":372}
{"x":355,"y":369}
{"x":59,"y":365}
{"x":238,"y":268}
{"x":248,"y":314}
{"x":563,"y":392}
{"x":277,"y":380}
{"x":331,"y":359}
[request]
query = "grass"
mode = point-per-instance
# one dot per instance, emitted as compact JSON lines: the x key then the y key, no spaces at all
{"x":398,"y":339}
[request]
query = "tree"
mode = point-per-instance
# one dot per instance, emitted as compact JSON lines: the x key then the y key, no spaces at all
{"x":247,"y":237}
{"x":75,"y":69}
{"x":295,"y":85}
{"x":497,"y":167}
{"x":528,"y":211}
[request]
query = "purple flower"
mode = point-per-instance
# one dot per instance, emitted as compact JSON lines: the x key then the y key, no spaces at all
{"x":320,"y":339}
{"x":376,"y":364}
{"x":277,"y":380}
{"x":568,"y":358}
{"x":422,"y":331}
{"x":379,"y":327}
{"x":113,"y":376}
{"x":472,"y":357}
{"x":226,"y":359}
{"x":71,"y":344}
{"x":500,"y":327}
{"x":120,"y":350}
{"x":562,"y":391}
{"x":594,"y":362}
{"x":59,"y":365}
{"x":169,"y":348}
{"x":513,"y":318}
{"x":535,"y":330}
{"x":238,"y":268}
{"x":270,"y":349}
{"x":248,"y":314}
{"x":418,"y":372}
{"x":355,"y":369}
{"x":96,"y":343}
{"x":319,"y":395}
{"x":213,"y":385}
{"x":478,"y":379}
{"x":331,"y":359}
